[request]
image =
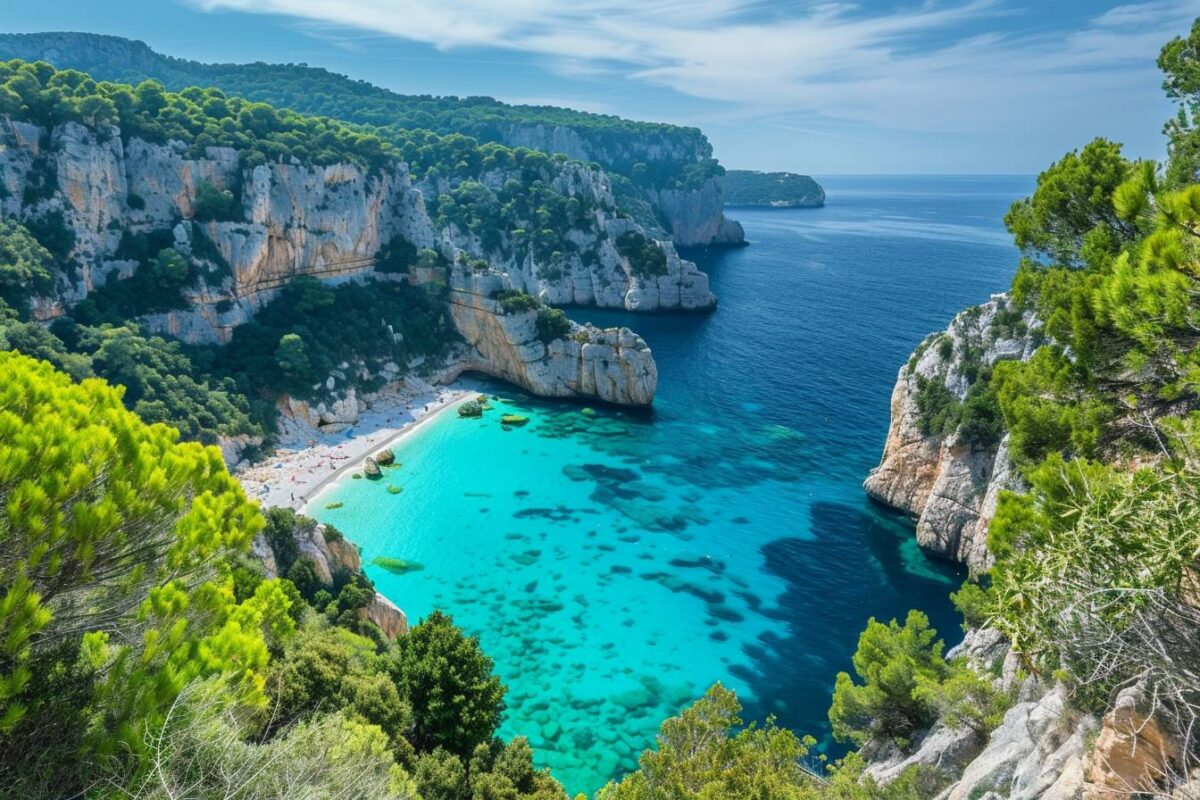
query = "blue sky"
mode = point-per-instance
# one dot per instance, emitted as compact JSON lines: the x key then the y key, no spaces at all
{"x":919,"y":86}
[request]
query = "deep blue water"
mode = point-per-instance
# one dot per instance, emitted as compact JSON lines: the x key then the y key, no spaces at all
{"x":615,"y":565}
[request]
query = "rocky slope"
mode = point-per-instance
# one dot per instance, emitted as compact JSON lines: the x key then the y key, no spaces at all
{"x":1043,"y":749}
{"x":691,"y":216}
{"x":950,"y":487}
{"x":327,"y":222}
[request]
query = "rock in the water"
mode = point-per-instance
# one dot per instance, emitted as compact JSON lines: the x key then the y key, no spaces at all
{"x":371,"y":468}
{"x":385,"y":457}
{"x":611,"y":364}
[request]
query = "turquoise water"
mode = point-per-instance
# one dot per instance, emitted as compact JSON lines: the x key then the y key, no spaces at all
{"x":615,"y":565}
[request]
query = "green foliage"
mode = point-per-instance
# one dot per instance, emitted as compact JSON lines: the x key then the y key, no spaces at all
{"x":623,"y":146}
{"x":646,"y":258}
{"x":398,"y":255}
{"x":976,"y":418}
{"x":215,"y":204}
{"x":1086,"y":529}
{"x":1070,"y":219}
{"x":514,"y":301}
{"x":772,"y":189}
{"x":448,"y":680}
{"x":700,"y":755}
{"x":199,"y":118}
{"x":895,"y":664}
{"x":298,"y":339}
{"x":26,"y":267}
{"x":206,"y":750}
{"x":552,"y":324}
{"x":110,"y":524}
{"x":331,"y":667}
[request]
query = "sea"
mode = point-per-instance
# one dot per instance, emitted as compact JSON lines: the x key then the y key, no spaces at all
{"x":615,"y":565}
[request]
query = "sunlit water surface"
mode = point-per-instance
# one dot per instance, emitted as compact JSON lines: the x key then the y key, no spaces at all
{"x":616,"y":565}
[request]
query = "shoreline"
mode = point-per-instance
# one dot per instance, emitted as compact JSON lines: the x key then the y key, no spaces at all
{"x":308,"y":462}
{"x":456,"y":397}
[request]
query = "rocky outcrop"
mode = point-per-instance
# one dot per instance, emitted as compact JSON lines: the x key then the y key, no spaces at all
{"x":692,"y":216}
{"x":951,"y":486}
{"x":332,"y":556}
{"x":1134,"y":750}
{"x":612,"y":364}
{"x":328,"y":222}
{"x":695,"y":216}
{"x":1039,"y":752}
{"x":324,"y":221}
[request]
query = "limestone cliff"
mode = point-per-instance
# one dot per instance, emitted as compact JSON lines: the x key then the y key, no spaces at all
{"x":949,"y":486}
{"x":329,"y":222}
{"x":660,"y":155}
{"x":613,"y":364}
{"x":325,"y":221}
{"x":692,"y":215}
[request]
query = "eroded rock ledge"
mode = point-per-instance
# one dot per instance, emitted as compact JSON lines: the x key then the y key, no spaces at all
{"x":614,"y":365}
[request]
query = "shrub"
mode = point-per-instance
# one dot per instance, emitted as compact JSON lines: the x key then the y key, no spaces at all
{"x":213,"y":204}
{"x":552,"y":324}
{"x":894,"y":663}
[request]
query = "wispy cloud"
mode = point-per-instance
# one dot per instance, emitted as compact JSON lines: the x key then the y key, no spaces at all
{"x":939,"y":66}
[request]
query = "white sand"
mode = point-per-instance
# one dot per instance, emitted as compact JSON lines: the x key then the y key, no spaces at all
{"x":307,"y":462}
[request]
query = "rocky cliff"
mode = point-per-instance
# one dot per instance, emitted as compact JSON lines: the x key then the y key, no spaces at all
{"x":689,"y":215}
{"x":329,"y":222}
{"x":947,"y":484}
{"x":612,"y":364}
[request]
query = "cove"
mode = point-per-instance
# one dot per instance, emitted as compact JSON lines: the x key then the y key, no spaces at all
{"x":615,"y":565}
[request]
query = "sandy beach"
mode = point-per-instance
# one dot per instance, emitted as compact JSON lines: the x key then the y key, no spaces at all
{"x":308,"y":461}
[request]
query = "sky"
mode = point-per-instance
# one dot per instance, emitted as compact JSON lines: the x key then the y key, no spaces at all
{"x":812,"y":86}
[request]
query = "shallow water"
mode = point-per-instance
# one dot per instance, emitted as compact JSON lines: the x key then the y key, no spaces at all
{"x":615,"y":565}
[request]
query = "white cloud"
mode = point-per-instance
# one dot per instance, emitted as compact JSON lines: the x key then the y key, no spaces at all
{"x":824,"y":58}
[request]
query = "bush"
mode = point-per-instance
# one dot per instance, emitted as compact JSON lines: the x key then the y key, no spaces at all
{"x":552,"y":324}
{"x":448,"y":681}
{"x":895,"y":663}
{"x":213,"y":204}
{"x":646,"y":257}
{"x":514,"y":301}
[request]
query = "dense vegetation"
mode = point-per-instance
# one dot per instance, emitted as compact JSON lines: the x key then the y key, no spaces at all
{"x":778,"y":189}
{"x":292,"y":346}
{"x":144,"y":654}
{"x":197,"y":117}
{"x":621,"y":145}
{"x":1095,"y":576}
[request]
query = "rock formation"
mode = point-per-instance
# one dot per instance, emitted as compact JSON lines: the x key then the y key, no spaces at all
{"x":330,"y":556}
{"x":329,"y":222}
{"x":689,"y":214}
{"x":948,"y":486}
{"x":614,"y":365}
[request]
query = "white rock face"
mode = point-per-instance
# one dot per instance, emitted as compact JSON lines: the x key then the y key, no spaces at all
{"x":1038,"y":753}
{"x":949,"y":486}
{"x":697,"y":217}
{"x":613,"y":365}
{"x":693,"y":217}
{"x":328,"y":222}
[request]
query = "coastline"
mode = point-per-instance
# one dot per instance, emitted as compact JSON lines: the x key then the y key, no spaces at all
{"x":309,"y":462}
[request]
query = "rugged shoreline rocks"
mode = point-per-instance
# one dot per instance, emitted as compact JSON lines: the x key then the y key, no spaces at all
{"x":949,"y":486}
{"x":613,"y":364}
